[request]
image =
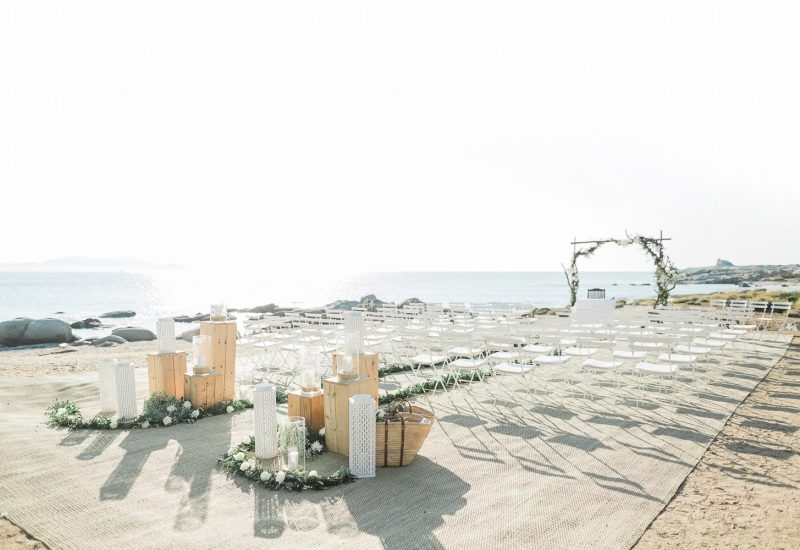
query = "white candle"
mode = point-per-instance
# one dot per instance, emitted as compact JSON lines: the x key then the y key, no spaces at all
{"x":293,"y":459}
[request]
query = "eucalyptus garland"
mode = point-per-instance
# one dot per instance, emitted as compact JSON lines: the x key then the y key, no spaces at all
{"x":666,"y":273}
{"x":239,"y":461}
{"x":160,"y":410}
{"x":447,"y":380}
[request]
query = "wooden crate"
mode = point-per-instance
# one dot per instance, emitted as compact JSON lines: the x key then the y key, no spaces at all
{"x":310,"y":407}
{"x":337,"y":412}
{"x":367,"y":369}
{"x":165,"y":373}
{"x":204,"y":390}
{"x":223,"y":352}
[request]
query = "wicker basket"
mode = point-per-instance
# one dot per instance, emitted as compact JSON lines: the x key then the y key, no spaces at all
{"x":399,"y":438}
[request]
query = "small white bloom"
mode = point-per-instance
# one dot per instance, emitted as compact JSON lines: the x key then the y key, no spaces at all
{"x":195,"y":413}
{"x":279,"y":477}
{"x":245,"y":466}
{"x":322,"y":432}
{"x":229,"y":409}
{"x":113,"y":425}
{"x":231,"y":450}
{"x":187,"y":404}
{"x":238,"y":457}
{"x":316,"y":447}
{"x":313,"y":473}
{"x":167,"y":421}
{"x":171,"y":409}
{"x":61,"y":412}
{"x":381,"y":413}
{"x":265,"y":476}
{"x":145,"y":424}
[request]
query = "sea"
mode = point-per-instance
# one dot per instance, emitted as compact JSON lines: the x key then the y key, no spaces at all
{"x":73,"y":296}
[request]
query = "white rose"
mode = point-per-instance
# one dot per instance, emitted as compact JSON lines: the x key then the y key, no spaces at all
{"x":167,"y":421}
{"x":245,"y":466}
{"x":113,"y":425}
{"x":229,"y":409}
{"x":171,"y":409}
{"x":322,"y":432}
{"x":238,"y":457}
{"x":187,"y":404}
{"x":145,"y":424}
{"x":313,"y":473}
{"x":265,"y":476}
{"x":316,"y":447}
{"x":195,"y":413}
{"x":279,"y":477}
{"x":381,"y":413}
{"x":61,"y":412}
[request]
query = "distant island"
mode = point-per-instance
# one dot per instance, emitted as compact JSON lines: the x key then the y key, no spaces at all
{"x":80,"y":263}
{"x":725,"y":272}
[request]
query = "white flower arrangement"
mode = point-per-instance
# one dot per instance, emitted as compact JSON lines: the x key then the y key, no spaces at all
{"x":229,"y":409}
{"x":279,"y":477}
{"x":313,"y":473}
{"x":62,"y":411}
{"x":322,"y":432}
{"x":145,"y":424}
{"x":266,"y":476}
{"x":195,"y":413}
{"x":187,"y":404}
{"x":380,"y":414}
{"x":245,"y":466}
{"x":171,"y":409}
{"x":113,"y":425}
{"x":167,"y":421}
{"x":316,"y":447}
{"x":238,"y":457}
{"x":231,"y":450}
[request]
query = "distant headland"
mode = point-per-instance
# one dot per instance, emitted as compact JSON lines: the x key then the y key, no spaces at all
{"x":725,"y":272}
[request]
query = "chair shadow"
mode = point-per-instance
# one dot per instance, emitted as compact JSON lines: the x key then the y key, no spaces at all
{"x":100,"y":443}
{"x":679,"y":433}
{"x":577,"y":441}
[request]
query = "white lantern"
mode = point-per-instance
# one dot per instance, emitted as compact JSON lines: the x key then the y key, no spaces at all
{"x":353,"y":333}
{"x":347,"y":367}
{"x":309,"y":373}
{"x":219,"y":312}
{"x":265,"y":421}
{"x":201,"y":351}
{"x":108,"y":387}
{"x":292,"y":443}
{"x":362,"y":435}
{"x":125,"y":382}
{"x":165,"y":331}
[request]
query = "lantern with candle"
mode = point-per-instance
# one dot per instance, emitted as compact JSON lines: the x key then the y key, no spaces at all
{"x":309,"y":373}
{"x":292,"y":443}
{"x":201,"y":353}
{"x":219,"y":312}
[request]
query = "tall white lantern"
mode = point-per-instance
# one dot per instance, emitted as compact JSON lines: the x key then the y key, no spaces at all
{"x":353,"y":333}
{"x":108,"y":386}
{"x":362,"y":435}
{"x":265,"y":423}
{"x":165,"y":332}
{"x":125,"y":382}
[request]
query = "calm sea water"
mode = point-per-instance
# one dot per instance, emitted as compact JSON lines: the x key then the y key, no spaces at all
{"x":151,"y":295}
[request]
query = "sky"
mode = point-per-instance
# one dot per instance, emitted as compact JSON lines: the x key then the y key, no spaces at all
{"x":407,"y":135}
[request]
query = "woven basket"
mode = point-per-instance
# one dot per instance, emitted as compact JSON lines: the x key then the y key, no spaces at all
{"x":399,"y":438}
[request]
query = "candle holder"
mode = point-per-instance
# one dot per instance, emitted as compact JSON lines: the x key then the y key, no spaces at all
{"x":265,"y":422}
{"x":125,"y":382}
{"x":201,"y":353}
{"x":310,"y":384}
{"x":347,"y":368}
{"x":165,"y":332}
{"x":353,"y":333}
{"x":362,"y":435}
{"x":292,"y":443}
{"x":219,"y":312}
{"x":108,"y":387}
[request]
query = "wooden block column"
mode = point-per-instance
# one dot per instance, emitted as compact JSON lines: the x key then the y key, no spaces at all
{"x":367,"y":369}
{"x":337,"y":412}
{"x":204,"y":390}
{"x":223,"y":353}
{"x":165,"y":373}
{"x":310,"y":407}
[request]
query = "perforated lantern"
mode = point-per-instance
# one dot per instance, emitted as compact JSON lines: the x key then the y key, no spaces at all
{"x":362,"y":435}
{"x":292,"y":443}
{"x":125,"y":382}
{"x":108,"y":388}
{"x":265,"y":421}
{"x":165,"y":332}
{"x":353,"y":333}
{"x":201,"y":352}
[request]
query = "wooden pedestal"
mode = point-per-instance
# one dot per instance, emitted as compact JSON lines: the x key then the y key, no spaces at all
{"x":367,"y":368}
{"x":204,"y":390}
{"x":223,"y":352}
{"x":337,"y":412}
{"x":310,"y":407}
{"x":165,"y":373}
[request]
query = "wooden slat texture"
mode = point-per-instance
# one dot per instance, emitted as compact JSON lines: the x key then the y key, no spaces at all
{"x":165,"y":373}
{"x":223,"y":355}
{"x":367,"y":368}
{"x":337,"y":412}
{"x":310,"y":407}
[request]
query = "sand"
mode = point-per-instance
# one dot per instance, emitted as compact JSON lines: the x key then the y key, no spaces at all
{"x":742,"y":493}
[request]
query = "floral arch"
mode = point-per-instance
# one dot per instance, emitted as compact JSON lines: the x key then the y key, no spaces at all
{"x":666,"y":272}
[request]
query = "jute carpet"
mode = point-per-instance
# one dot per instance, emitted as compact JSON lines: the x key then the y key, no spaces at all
{"x":500,"y":469}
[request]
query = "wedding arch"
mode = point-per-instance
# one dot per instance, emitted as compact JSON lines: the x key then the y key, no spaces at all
{"x":666,"y":272}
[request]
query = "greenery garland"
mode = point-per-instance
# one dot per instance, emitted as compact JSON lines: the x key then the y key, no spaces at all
{"x":237,"y":461}
{"x":666,"y":272}
{"x":160,"y":409}
{"x":447,"y":380}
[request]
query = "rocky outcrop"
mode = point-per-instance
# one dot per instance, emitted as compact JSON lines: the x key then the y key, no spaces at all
{"x":410,"y":301}
{"x":118,"y":314}
{"x":734,"y":275}
{"x":189,"y":334}
{"x":724,"y":263}
{"x":134,"y":334}
{"x":370,"y":302}
{"x":26,"y":332}
{"x":110,"y":339}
